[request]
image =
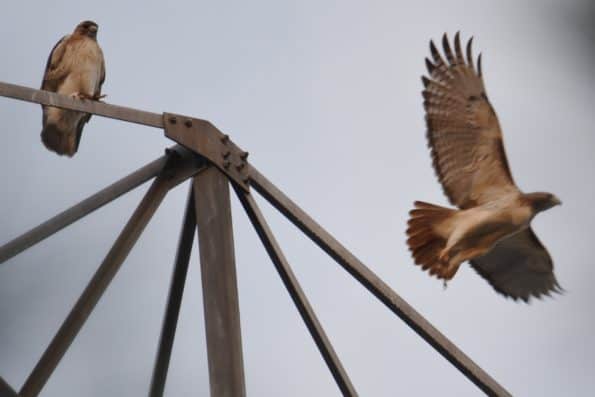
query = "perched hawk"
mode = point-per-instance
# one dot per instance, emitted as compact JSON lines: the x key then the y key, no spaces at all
{"x":491,"y":228}
{"x":75,"y":67}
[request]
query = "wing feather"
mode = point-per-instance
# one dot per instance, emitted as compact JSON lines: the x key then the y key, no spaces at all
{"x":519,"y":267}
{"x":470,"y":54}
{"x":55,"y":68}
{"x":97,"y":94}
{"x":458,"y":51}
{"x":462,"y":128}
{"x":102,"y":75}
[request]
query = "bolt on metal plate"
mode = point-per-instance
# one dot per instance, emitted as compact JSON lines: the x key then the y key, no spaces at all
{"x":203,"y":138}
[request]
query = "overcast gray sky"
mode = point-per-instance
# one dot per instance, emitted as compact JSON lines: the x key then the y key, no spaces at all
{"x":326,"y":97}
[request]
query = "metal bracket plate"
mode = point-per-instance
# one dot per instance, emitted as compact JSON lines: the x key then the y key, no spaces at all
{"x":205,"y":139}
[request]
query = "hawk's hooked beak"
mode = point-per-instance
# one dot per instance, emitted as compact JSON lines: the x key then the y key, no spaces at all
{"x":93,"y":29}
{"x":556,"y":201}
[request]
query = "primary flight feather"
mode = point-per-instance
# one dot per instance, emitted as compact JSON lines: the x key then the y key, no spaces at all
{"x":491,"y":228}
{"x":75,"y":67}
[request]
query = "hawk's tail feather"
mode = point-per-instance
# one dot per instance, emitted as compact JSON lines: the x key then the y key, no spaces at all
{"x":424,"y":242}
{"x":60,"y":140}
{"x":52,"y":138}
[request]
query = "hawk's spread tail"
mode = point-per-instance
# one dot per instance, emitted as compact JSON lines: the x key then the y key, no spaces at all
{"x":425,"y":243}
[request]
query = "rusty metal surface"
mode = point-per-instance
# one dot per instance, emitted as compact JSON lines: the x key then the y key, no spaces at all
{"x":83,"y":208}
{"x":375,"y":285}
{"x":219,"y":284}
{"x":174,"y":300}
{"x":6,"y":390}
{"x":180,"y":165}
{"x":205,"y":139}
{"x":297,"y":294}
{"x":94,"y":107}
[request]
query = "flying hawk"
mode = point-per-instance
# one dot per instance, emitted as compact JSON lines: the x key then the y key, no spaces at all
{"x":75,"y":67}
{"x":491,"y":228}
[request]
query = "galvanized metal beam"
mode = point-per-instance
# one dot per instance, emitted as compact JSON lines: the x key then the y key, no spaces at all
{"x":219,"y":285}
{"x":174,"y":301}
{"x":83,"y":208}
{"x":180,"y":165}
{"x":296,"y":293}
{"x":375,"y":285}
{"x":88,"y":106}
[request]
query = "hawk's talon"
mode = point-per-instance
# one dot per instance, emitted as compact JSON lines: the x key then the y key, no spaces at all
{"x":82,"y":96}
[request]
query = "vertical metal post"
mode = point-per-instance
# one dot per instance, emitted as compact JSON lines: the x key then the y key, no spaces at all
{"x":174,"y":301}
{"x":219,"y":285}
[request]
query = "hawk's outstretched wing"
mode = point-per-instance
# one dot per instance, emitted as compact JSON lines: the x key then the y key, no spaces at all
{"x":468,"y":155}
{"x":463,"y":130}
{"x":519,"y":267}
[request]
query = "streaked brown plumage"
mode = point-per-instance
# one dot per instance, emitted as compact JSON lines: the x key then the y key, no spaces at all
{"x":491,"y":229}
{"x":75,"y":67}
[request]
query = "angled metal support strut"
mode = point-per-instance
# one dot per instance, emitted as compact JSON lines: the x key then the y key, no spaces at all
{"x":6,"y":390}
{"x":375,"y":285}
{"x":179,"y":167}
{"x":297,"y":294}
{"x":78,"y":211}
{"x":174,"y":301}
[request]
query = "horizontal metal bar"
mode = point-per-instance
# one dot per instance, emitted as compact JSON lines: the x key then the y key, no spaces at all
{"x":88,"y":106}
{"x":81,"y":209}
{"x":297,"y":294}
{"x":174,"y":300}
{"x":6,"y":390}
{"x":178,"y":167}
{"x":375,"y":285}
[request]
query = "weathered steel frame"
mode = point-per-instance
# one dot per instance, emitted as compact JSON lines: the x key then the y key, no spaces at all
{"x":202,"y":146}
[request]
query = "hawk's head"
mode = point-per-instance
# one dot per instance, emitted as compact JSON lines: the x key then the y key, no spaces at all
{"x":541,"y":201}
{"x":87,"y":28}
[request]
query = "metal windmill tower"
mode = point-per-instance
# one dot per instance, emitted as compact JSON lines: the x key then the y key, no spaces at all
{"x":210,"y":161}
